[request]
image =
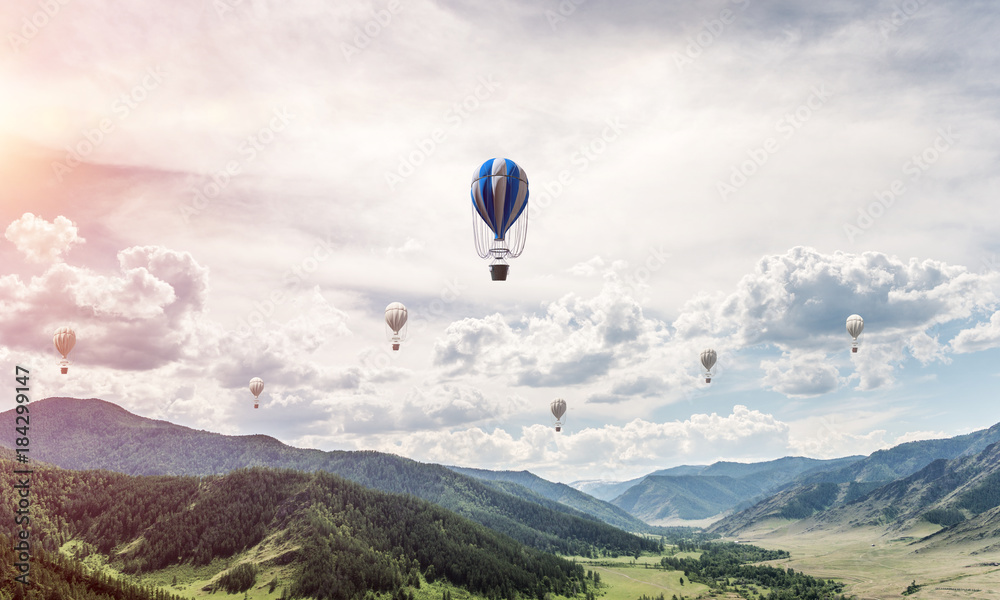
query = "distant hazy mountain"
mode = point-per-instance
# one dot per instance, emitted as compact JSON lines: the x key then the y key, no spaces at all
{"x":510,"y":481}
{"x":689,"y":497}
{"x":602,"y":489}
{"x":94,"y":434}
{"x":960,"y":490}
{"x":695,"y":492}
{"x":906,"y":459}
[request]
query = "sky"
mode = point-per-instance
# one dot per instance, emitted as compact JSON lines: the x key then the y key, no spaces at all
{"x":208,"y":191}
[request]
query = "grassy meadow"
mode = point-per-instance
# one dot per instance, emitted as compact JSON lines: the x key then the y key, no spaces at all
{"x":879,"y":566}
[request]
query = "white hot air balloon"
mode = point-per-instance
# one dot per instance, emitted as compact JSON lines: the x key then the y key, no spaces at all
{"x":855,"y":325}
{"x":64,"y":339}
{"x":395,"y":321}
{"x":256,"y":387}
{"x":708,"y":358}
{"x":558,"y":410}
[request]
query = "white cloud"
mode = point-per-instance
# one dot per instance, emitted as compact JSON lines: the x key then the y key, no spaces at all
{"x":800,"y":375}
{"x":589,"y":268}
{"x":633,"y":448}
{"x":410,"y":246}
{"x":981,"y":337}
{"x":658,"y":265}
{"x":834,"y":443}
{"x":141,"y":318}
{"x":40,"y":240}
{"x":798,"y":302}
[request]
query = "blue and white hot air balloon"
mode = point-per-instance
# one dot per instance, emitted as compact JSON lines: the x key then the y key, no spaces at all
{"x":499,"y":215}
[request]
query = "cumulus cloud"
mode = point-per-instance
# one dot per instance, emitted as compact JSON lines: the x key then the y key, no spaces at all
{"x":981,"y":337}
{"x":800,"y":375}
{"x":804,"y":295}
{"x":588,"y":268}
{"x":798,"y":301}
{"x":633,"y":448}
{"x":142,"y":317}
{"x":575,"y":341}
{"x":834,"y":443}
{"x":794,"y":302}
{"x":40,"y":240}
{"x":410,"y":246}
{"x":435,"y":408}
{"x":291,"y":352}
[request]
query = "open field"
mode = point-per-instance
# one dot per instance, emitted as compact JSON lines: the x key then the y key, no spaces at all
{"x":879,"y":572}
{"x":879,"y":566}
{"x":627,"y":579}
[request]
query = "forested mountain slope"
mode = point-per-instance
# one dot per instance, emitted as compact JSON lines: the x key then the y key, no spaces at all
{"x":561,"y":493}
{"x":961,"y":495}
{"x":94,"y":434}
{"x":341,"y":535}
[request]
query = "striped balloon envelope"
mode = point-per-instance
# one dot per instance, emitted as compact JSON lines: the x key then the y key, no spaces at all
{"x":499,"y":194}
{"x":499,"y":219}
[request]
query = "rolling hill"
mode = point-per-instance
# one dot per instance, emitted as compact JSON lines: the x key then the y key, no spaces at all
{"x":961,"y":495}
{"x":94,"y":434}
{"x":340,"y":539}
{"x":697,"y":492}
{"x":792,"y":487}
{"x":511,"y":481}
{"x":659,"y":499}
{"x":53,"y":575}
{"x":905,"y":459}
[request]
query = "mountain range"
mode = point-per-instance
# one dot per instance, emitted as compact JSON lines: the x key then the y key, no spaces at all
{"x":94,"y":434}
{"x":576,"y":518}
{"x":320,"y":534}
{"x":698,"y":492}
{"x":960,"y":495}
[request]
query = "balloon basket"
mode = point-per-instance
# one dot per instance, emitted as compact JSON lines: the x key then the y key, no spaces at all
{"x":395,"y":346}
{"x":708,"y":380}
{"x":64,"y":370}
{"x":854,"y":349}
{"x":499,"y":272}
{"x":255,"y":405}
{"x":558,"y":429}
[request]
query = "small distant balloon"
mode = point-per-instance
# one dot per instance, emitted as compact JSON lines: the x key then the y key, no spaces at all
{"x":855,"y":325}
{"x":64,"y":340}
{"x":395,"y":321}
{"x":499,"y":219}
{"x":256,"y":387}
{"x":708,"y":358}
{"x":558,"y":410}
